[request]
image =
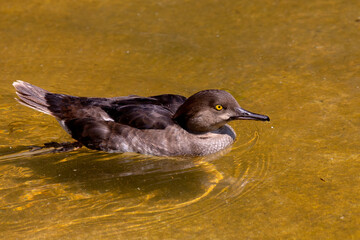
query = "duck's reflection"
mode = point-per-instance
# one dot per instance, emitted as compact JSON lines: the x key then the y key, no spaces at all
{"x":165,"y":182}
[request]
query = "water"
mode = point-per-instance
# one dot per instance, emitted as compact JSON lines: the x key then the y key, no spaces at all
{"x":294,"y":177}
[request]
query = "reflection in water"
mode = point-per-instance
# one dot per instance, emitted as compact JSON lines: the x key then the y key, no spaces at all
{"x":134,"y":191}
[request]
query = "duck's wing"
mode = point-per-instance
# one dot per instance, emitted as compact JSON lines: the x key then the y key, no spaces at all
{"x":118,"y":117}
{"x":138,"y":112}
{"x":145,"y":112}
{"x":141,"y":116}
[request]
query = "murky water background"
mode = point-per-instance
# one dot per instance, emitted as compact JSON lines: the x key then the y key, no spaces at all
{"x":296,"y":177}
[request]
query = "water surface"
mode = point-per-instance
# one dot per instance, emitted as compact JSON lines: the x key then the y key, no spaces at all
{"x":294,"y":177}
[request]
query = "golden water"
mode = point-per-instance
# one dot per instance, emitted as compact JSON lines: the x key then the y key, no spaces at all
{"x":296,"y":177}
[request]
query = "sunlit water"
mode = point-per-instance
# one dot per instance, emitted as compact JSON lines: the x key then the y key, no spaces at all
{"x":296,"y":177}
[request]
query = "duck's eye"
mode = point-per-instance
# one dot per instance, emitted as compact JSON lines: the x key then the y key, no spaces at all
{"x":218,"y":107}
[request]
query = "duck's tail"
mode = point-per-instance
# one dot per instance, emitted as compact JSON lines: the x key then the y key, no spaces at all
{"x":32,"y":96}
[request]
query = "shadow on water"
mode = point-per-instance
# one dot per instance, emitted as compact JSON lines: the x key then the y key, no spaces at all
{"x":134,"y":191}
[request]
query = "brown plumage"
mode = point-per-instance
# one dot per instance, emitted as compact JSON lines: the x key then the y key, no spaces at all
{"x":159,"y":125}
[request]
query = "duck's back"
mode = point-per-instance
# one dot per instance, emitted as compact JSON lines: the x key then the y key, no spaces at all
{"x":135,"y":111}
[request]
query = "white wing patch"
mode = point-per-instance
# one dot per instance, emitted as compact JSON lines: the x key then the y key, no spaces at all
{"x":106,"y":117}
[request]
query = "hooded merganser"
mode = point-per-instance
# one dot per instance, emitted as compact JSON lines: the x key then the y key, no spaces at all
{"x":163,"y":125}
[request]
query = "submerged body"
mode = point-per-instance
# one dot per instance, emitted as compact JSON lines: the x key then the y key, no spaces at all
{"x":163,"y":125}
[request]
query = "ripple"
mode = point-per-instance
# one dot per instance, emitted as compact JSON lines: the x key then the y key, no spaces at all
{"x":128,"y":192}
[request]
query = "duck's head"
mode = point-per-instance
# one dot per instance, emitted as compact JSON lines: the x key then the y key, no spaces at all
{"x":209,"y":110}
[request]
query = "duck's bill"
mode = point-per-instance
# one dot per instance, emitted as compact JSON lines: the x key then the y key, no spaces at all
{"x":242,"y":114}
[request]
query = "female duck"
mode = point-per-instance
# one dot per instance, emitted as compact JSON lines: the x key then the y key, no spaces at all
{"x":166,"y":125}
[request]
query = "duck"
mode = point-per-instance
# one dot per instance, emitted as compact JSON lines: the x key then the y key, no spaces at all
{"x":160,"y":125}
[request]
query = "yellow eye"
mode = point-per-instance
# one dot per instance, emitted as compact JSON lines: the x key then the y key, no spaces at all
{"x":218,"y":107}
